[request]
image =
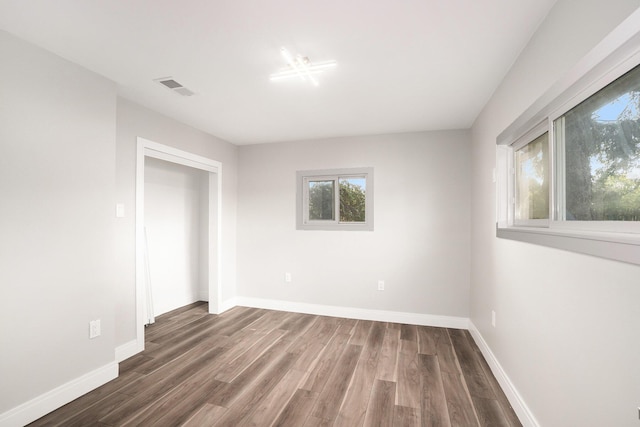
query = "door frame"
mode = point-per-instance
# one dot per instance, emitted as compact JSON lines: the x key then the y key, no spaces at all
{"x":147,"y":148}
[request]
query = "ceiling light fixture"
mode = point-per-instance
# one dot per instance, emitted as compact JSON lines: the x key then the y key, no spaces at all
{"x":301,"y":67}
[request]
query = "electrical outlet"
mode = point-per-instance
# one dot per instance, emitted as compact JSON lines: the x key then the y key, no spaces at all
{"x":94,"y":328}
{"x":381,"y":285}
{"x":287,"y":277}
{"x":493,"y":318}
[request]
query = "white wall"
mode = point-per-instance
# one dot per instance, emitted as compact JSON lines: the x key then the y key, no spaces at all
{"x":57,"y":209}
{"x":67,"y":156}
{"x":420,"y":245}
{"x":172,"y":222}
{"x":135,"y":121}
{"x":567,"y":324}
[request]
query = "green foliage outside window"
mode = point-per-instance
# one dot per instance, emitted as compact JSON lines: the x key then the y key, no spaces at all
{"x":322,"y":199}
{"x":352,"y":202}
{"x":603,"y":154}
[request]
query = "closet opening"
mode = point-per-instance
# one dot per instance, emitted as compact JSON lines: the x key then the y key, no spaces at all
{"x":178,"y":228}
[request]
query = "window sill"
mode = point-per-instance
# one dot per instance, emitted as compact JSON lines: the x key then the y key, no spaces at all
{"x":624,"y":247}
{"x":336,"y":227}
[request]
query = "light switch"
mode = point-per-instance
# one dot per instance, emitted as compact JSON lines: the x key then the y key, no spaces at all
{"x":120,"y":210}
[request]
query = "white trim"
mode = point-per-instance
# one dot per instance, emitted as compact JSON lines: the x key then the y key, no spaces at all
{"x":357,"y":313}
{"x":215,"y":240}
{"x":125,"y":351}
{"x":146,"y":148}
{"x":59,"y":396}
{"x":534,"y":133}
{"x":227,"y":305}
{"x":517,"y":402}
{"x":139,"y":225}
{"x":174,"y":155}
{"x":615,"y":246}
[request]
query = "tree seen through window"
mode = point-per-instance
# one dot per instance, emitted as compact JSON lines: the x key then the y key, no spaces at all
{"x":602,"y":154}
{"x":352,"y":193}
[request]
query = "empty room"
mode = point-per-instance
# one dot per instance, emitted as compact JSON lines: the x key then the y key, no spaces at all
{"x":337,"y":213}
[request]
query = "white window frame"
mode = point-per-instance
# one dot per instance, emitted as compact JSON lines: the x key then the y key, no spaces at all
{"x":617,"y":54}
{"x":302,"y":199}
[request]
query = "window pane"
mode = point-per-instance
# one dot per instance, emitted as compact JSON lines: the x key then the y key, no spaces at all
{"x":322,"y":200}
{"x":352,"y":199}
{"x":602,"y":152}
{"x":532,"y":180}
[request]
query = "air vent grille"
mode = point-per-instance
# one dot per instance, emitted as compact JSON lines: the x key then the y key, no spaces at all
{"x":170,"y":83}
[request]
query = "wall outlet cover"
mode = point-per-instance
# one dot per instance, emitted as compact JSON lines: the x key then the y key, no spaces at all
{"x":94,"y":328}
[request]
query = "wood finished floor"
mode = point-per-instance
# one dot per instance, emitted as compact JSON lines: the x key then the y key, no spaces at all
{"x":254,"y":367}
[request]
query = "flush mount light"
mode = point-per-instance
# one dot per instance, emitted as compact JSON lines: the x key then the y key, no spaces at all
{"x":301,"y":67}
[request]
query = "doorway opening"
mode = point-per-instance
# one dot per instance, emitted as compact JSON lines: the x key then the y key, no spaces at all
{"x":210,"y":208}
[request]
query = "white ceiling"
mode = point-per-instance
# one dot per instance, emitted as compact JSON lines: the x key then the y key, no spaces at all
{"x":403,"y":65}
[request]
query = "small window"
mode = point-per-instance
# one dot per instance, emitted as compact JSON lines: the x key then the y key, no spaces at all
{"x":532,"y":181}
{"x":340,"y":199}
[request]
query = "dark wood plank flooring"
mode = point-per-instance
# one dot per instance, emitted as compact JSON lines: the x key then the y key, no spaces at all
{"x":254,"y":367}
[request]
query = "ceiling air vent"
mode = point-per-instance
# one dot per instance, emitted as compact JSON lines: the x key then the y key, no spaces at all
{"x":169,"y":83}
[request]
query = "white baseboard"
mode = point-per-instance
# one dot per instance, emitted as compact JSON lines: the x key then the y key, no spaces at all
{"x":127,"y":350}
{"x":519,"y":406}
{"x":228,"y":305}
{"x":357,"y":313}
{"x":59,"y":396}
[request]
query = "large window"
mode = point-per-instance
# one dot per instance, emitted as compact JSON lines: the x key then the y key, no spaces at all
{"x":599,"y":141}
{"x":568,"y":169}
{"x":335,"y":199}
{"x":596,"y":169}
